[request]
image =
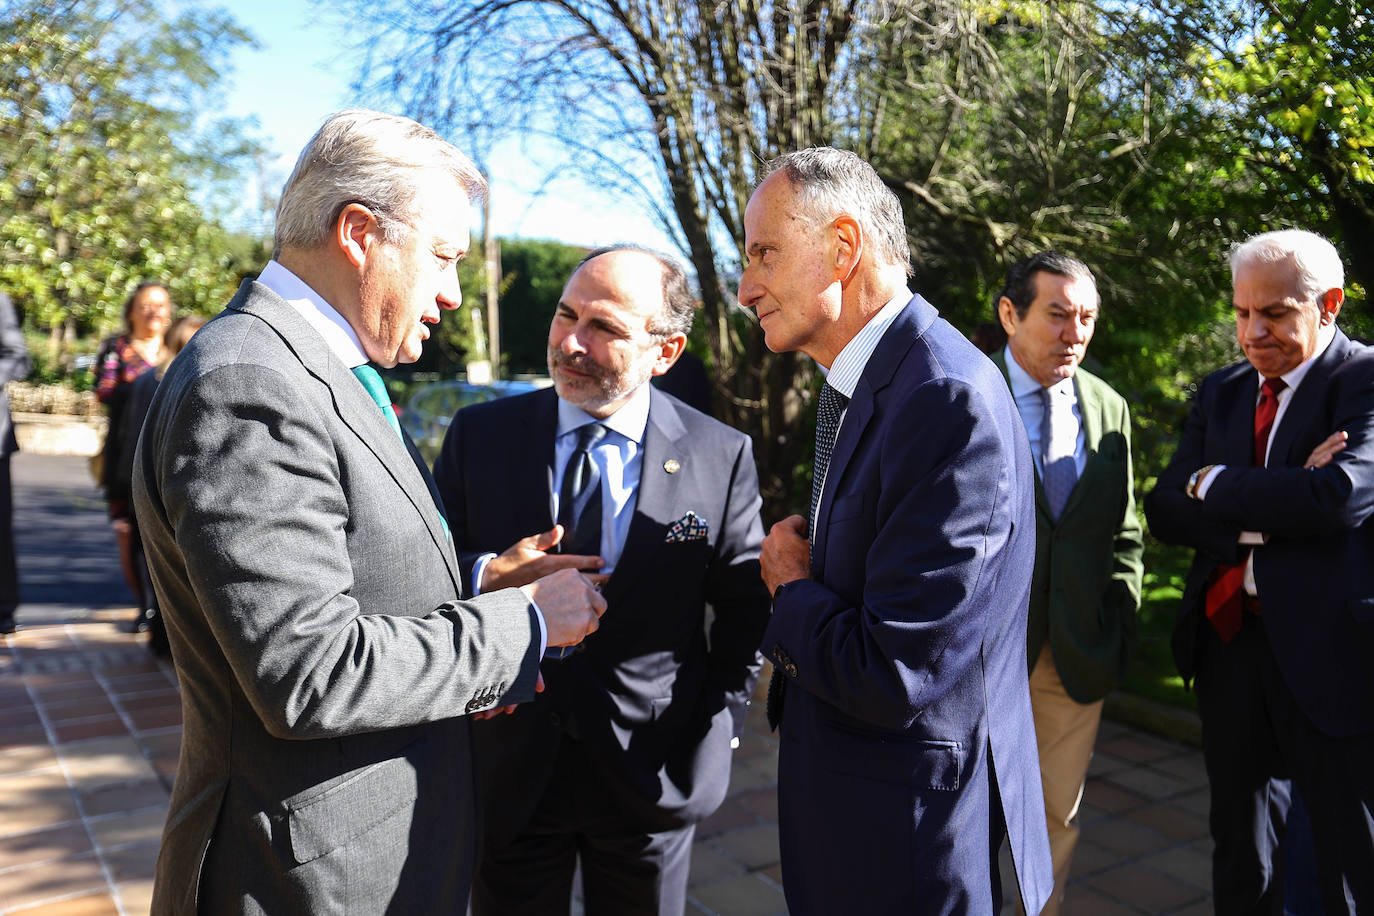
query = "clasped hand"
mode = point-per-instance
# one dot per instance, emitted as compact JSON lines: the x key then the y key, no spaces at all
{"x":562,"y":585}
{"x":786,"y":553}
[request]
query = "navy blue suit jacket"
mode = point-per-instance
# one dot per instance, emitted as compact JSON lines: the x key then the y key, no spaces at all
{"x":647,"y":695}
{"x":1315,"y":574}
{"x":907,"y":739}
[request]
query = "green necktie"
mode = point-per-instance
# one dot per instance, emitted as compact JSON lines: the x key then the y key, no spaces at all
{"x":372,"y":381}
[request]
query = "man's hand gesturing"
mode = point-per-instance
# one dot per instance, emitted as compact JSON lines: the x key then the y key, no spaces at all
{"x":529,"y":559}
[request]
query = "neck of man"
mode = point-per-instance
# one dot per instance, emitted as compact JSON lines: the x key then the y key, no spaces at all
{"x":862,"y":297}
{"x":325,"y":271}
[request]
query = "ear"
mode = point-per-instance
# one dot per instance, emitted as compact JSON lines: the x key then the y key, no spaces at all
{"x":1006,"y":315}
{"x":668,"y":353}
{"x":1330,"y":302}
{"x":355,"y":232}
{"x":849,"y":246}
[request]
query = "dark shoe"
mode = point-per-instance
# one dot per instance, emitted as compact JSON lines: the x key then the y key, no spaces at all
{"x":7,"y":627}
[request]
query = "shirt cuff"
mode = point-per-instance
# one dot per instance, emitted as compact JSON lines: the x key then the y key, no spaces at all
{"x":1205,"y":483}
{"x":479,"y":566}
{"x":543,"y":628}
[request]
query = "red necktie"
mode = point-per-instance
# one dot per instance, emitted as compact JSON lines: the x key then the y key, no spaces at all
{"x":1223,"y":602}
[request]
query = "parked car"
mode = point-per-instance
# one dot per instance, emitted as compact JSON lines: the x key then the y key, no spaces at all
{"x":429,"y":410}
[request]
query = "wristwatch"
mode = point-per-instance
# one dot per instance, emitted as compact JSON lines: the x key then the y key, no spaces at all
{"x":1198,"y":476}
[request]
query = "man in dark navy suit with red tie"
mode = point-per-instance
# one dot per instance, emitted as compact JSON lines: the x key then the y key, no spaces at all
{"x":1273,"y":486}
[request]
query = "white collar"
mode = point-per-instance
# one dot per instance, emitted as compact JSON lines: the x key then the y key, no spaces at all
{"x":849,"y":365}
{"x":323,"y":317}
{"x":1293,"y":377}
{"x":630,"y":420}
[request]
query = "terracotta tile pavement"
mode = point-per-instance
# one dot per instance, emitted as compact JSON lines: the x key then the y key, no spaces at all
{"x":81,"y":799}
{"x":81,"y":809}
{"x":90,"y":731}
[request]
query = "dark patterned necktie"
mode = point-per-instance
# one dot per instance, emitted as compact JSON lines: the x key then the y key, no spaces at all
{"x":579,"y":502}
{"x":828,"y":414}
{"x":579,"y":507}
{"x":1058,"y":470}
{"x":1222,"y":603}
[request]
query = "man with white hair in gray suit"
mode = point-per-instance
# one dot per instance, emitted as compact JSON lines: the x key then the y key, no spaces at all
{"x":307,"y":576}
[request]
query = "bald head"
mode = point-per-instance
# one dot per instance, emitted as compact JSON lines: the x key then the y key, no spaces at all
{"x":619,"y":322}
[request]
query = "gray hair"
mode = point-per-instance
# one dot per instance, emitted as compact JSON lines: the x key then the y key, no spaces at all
{"x":679,"y":304}
{"x":1316,"y":263}
{"x":366,"y":157}
{"x":831,"y":181}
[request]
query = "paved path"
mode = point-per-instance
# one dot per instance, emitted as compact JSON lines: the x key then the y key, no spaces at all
{"x":90,"y":726}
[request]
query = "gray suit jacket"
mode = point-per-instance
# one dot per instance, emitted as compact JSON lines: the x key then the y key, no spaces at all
{"x":311,"y":597}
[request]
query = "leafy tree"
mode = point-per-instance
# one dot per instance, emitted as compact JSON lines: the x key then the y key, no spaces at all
{"x":1287,"y":91}
{"x":1006,"y":126}
{"x":108,"y":181}
{"x":534,"y":273}
{"x":700,"y":92}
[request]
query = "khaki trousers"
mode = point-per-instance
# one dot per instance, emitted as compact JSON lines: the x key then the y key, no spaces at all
{"x":1065,"y":731}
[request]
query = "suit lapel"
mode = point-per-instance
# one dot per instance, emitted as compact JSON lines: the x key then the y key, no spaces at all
{"x":656,"y":496}
{"x":1238,"y":442}
{"x":353,"y":405}
{"x":1306,"y":402}
{"x":539,"y":424}
{"x":911,"y":322}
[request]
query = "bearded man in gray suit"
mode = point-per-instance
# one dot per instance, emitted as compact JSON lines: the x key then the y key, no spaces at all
{"x":308,"y":578}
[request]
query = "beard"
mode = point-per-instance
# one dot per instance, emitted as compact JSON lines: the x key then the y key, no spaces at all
{"x":601,"y":387}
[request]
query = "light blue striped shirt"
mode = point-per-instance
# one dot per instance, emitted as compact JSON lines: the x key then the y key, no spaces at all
{"x":849,"y":365}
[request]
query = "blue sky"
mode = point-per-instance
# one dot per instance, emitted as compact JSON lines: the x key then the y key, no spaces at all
{"x":300,"y":73}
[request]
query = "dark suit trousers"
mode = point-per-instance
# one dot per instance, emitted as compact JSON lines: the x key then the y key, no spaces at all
{"x":9,"y":574}
{"x":1255,"y":739}
{"x":625,"y":871}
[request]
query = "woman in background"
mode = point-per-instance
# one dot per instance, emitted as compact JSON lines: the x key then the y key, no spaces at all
{"x":121,"y":360}
{"x":140,"y":397}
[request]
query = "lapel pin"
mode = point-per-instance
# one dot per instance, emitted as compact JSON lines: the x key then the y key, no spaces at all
{"x":671,"y":465}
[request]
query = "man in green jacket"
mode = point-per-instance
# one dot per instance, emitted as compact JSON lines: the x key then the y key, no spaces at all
{"x":1085,"y":590}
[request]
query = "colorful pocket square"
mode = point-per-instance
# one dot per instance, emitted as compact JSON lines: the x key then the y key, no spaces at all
{"x":691,"y":527}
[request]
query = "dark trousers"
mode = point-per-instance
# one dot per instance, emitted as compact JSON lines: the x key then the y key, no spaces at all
{"x":626,"y":869}
{"x":9,"y":573}
{"x":1255,"y":740}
